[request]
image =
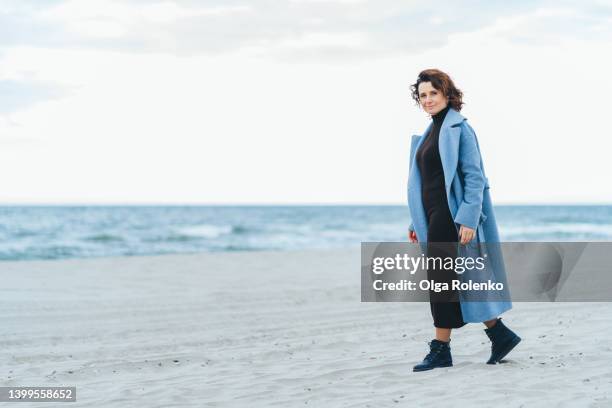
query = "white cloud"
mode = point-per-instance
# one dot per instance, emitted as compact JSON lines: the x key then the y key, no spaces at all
{"x":125,"y":12}
{"x":396,"y":27}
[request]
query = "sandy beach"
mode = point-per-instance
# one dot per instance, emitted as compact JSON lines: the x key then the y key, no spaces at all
{"x":278,"y":329}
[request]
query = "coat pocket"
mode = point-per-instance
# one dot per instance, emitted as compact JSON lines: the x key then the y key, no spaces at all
{"x":480,"y":229}
{"x":483,"y":218}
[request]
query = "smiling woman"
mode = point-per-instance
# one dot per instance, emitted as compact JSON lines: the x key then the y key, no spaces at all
{"x":448,"y":197}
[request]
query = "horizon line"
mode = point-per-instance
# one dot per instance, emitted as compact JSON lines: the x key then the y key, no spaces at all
{"x":268,"y":204}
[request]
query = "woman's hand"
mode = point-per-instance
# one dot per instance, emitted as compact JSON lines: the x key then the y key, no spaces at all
{"x":466,"y":234}
{"x":412,"y":237}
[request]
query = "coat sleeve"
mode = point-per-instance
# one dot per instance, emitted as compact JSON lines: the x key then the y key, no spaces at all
{"x":468,"y":212}
{"x":412,"y":144}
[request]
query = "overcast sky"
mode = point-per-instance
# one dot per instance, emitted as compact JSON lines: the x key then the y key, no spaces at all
{"x":303,"y":101}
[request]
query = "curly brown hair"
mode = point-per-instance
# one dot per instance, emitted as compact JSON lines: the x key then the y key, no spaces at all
{"x":443,"y":83}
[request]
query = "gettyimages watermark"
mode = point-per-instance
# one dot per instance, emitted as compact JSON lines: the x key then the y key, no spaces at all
{"x":486,"y":272}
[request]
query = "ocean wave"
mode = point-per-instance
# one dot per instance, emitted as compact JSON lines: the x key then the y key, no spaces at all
{"x":240,"y":229}
{"x":205,"y":231}
{"x":58,"y":233}
{"x":103,"y":238}
{"x":557,"y":228}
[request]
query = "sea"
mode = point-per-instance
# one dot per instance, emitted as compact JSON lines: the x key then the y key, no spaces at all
{"x":63,"y":232}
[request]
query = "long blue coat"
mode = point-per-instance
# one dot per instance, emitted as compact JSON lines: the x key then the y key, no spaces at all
{"x":469,"y":201}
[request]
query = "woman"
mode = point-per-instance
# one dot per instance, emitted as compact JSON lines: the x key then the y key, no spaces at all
{"x":449,"y":202}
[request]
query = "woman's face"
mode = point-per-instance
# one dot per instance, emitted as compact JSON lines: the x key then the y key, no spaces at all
{"x":432,"y":101}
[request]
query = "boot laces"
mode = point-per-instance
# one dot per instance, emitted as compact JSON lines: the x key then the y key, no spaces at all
{"x":434,"y":350}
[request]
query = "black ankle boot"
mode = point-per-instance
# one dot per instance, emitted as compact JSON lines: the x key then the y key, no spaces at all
{"x":503,"y":341}
{"x":439,"y":356}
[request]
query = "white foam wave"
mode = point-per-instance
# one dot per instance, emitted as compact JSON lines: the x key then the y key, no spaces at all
{"x":555,"y":228}
{"x":205,"y":230}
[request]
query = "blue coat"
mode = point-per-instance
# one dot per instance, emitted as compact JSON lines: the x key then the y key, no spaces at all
{"x":469,"y":201}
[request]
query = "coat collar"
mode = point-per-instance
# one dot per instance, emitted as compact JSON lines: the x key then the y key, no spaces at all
{"x":452,"y":118}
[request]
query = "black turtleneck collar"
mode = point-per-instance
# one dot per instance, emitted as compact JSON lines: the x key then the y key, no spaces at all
{"x":438,"y":118}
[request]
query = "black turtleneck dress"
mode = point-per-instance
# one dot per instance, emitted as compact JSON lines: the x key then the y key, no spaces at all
{"x":445,"y":306}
